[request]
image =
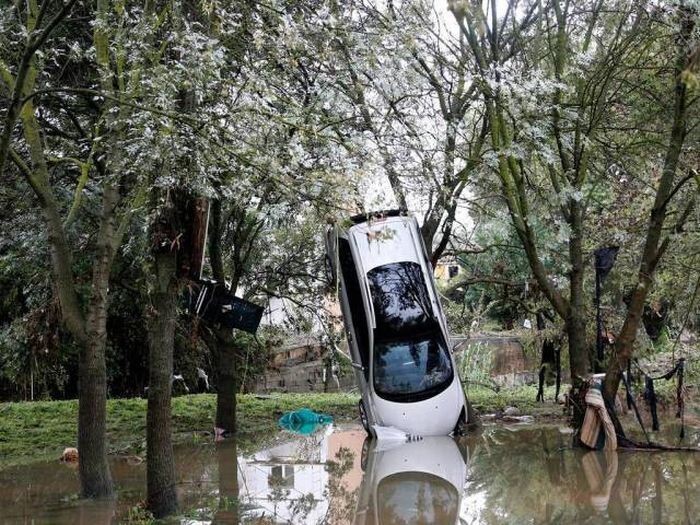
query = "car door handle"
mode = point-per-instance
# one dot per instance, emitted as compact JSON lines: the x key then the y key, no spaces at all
{"x":358,"y":366}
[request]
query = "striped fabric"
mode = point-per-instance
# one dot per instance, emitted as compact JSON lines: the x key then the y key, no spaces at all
{"x":597,"y":419}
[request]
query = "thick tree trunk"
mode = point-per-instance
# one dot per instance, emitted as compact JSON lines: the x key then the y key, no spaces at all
{"x":95,"y":477}
{"x":160,"y":471}
{"x":227,"y":385}
{"x":579,"y":356}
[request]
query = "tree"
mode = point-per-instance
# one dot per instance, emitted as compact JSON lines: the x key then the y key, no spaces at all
{"x":102,"y":121}
{"x":160,"y":477}
{"x":552,"y":80}
{"x":657,"y":241}
{"x":264,"y":236}
{"x":422,"y":128}
{"x":271,"y":249}
{"x":86,"y":325}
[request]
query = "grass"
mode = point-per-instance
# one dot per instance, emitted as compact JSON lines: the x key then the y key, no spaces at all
{"x":42,"y":429}
{"x":522,"y":397}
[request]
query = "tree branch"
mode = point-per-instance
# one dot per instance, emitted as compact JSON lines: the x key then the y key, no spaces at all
{"x":24,"y":72}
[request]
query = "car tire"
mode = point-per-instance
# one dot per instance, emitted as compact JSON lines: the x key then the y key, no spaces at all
{"x":364,"y":456}
{"x":363,"y":417}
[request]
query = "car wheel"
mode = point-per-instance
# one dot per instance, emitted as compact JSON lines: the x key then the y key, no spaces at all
{"x":365,"y":454}
{"x":363,"y":417}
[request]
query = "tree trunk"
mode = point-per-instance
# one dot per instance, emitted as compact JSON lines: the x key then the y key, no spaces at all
{"x":160,"y":472}
{"x":95,"y":477}
{"x":579,"y":358}
{"x":222,"y":343}
{"x":227,"y":384}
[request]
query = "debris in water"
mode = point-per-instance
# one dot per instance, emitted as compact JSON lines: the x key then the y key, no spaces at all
{"x":70,"y":455}
{"x":304,"y":421}
{"x":519,"y":419}
{"x":597,"y":430}
{"x":392,"y":434}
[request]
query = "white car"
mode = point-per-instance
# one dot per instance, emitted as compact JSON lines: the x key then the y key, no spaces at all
{"x":396,"y":329}
{"x":416,"y":482}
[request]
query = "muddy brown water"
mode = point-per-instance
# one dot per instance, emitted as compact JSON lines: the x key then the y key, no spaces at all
{"x":504,"y":474}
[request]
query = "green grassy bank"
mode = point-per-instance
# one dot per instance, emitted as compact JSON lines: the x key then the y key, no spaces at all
{"x":42,"y":429}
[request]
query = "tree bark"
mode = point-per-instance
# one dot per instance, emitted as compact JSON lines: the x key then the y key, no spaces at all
{"x":221,"y":343}
{"x":160,"y":471}
{"x":227,"y":384}
{"x":579,"y":356}
{"x":95,"y":477}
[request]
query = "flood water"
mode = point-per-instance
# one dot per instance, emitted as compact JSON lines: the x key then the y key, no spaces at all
{"x":504,"y":474}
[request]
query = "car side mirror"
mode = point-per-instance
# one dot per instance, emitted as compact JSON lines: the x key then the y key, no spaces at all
{"x":358,"y":366}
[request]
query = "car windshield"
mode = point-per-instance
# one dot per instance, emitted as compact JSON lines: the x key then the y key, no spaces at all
{"x":401,"y":301}
{"x":410,"y":369}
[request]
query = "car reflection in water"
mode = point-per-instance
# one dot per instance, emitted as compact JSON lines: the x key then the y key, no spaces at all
{"x":418,"y":482}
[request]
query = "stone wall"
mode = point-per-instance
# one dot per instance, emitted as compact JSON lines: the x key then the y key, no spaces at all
{"x":298,"y":366}
{"x":509,"y":364}
{"x":302,"y":377}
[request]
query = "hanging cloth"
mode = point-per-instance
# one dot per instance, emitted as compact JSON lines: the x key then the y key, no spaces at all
{"x":651,"y":399}
{"x":597,"y":430}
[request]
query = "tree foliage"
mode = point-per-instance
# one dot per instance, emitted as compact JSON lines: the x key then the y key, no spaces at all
{"x":524,"y":134}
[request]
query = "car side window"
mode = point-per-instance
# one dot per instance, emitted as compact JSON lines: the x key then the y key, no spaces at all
{"x":354,"y":294}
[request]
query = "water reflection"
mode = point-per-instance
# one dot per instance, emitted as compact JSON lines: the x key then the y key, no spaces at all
{"x":600,"y":479}
{"x":417,"y":482}
{"x":227,"y":511}
{"x":532,"y":475}
{"x":526,"y":474}
{"x":312,"y":479}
